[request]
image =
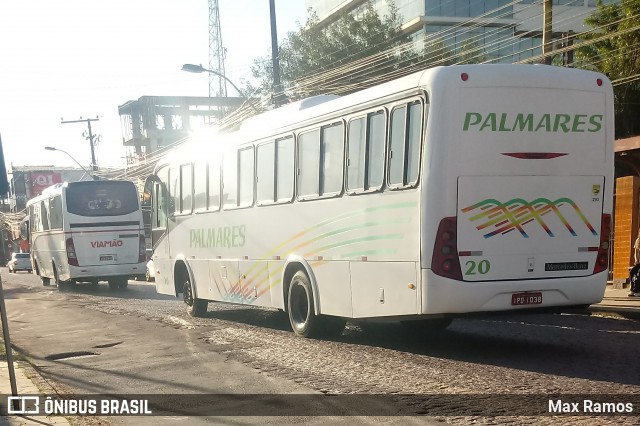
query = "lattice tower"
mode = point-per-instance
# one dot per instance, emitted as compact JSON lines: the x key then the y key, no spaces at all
{"x":217,"y":84}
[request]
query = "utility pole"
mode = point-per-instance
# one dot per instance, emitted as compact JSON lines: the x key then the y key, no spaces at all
{"x":567,"y":43}
{"x":278,"y":95}
{"x":94,"y":166}
{"x":547,"y":31}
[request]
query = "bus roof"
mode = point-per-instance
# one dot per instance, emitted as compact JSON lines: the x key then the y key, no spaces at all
{"x":287,"y":117}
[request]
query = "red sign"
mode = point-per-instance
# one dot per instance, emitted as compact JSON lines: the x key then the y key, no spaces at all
{"x":42,"y":180}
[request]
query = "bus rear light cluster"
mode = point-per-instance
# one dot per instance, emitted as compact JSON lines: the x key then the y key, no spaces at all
{"x":71,"y":252}
{"x":142,"y":250}
{"x":445,"y":261}
{"x":602,"y":260}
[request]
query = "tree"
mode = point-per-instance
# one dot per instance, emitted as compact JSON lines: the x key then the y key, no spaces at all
{"x":471,"y":53}
{"x":343,"y":56}
{"x":613,"y":48}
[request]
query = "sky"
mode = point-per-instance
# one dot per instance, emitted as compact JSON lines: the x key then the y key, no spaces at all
{"x":73,"y":59}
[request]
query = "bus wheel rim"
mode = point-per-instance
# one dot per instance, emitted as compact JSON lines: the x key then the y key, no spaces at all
{"x":300,"y":305}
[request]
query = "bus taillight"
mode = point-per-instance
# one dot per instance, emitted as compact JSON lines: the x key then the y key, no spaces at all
{"x":142,"y":251}
{"x":71,"y":253}
{"x":602,"y":260}
{"x":445,"y":261}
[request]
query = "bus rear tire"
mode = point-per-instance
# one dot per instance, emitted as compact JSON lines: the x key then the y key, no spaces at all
{"x":302,"y":316}
{"x":62,"y":285}
{"x":46,"y":281}
{"x":117,"y":284}
{"x":195,"y":307}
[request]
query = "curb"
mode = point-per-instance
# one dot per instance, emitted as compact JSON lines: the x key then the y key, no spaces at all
{"x":626,"y":312}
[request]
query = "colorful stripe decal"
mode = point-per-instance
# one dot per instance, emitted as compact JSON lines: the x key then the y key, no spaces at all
{"x":499,"y":218}
{"x":257,"y":276}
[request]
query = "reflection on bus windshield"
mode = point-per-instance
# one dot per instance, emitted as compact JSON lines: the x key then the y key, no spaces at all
{"x":103,"y":199}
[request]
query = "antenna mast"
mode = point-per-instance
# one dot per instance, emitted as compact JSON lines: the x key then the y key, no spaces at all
{"x":217,"y":84}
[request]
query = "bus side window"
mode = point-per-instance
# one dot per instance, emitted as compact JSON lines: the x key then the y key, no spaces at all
{"x":265,"y":179}
{"x":405,"y":144}
{"x":200,"y":186}
{"x":309,"y":164}
{"x":44,"y":215}
{"x":355,"y":160}
{"x":174,"y":191}
{"x":376,"y":138}
{"x":366,"y":152}
{"x":275,"y":165}
{"x":213,"y":186}
{"x":332,"y":153}
{"x":230,"y":179}
{"x":246,"y":177}
{"x":186,"y":189}
{"x":321,"y":161}
{"x":34,"y":218}
{"x":285,"y":169}
{"x":55,"y":212}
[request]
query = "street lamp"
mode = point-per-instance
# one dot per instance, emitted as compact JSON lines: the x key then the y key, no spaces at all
{"x":200,"y":69}
{"x":52,"y":148}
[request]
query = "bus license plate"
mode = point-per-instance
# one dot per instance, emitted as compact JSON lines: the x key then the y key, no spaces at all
{"x":526,"y":298}
{"x":106,"y":258}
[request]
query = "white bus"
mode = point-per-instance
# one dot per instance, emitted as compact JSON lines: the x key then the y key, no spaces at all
{"x":453,"y":190}
{"x":87,"y":231}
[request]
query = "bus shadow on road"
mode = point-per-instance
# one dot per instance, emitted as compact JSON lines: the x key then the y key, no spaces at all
{"x":576,"y":346}
{"x":134,"y":290}
{"x":259,"y":317}
{"x":593,"y":348}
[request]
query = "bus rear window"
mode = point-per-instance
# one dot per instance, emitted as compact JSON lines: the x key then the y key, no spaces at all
{"x":101,"y":198}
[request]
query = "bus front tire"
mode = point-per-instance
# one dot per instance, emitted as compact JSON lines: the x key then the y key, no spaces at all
{"x":302,"y":316}
{"x":46,"y":281}
{"x":195,"y":307}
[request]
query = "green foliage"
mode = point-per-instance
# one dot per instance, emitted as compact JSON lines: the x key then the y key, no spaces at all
{"x":471,"y":53}
{"x":350,"y":53}
{"x":614,"y":51}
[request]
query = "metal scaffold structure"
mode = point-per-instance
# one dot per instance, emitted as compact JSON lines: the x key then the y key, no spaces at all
{"x":217,"y":84}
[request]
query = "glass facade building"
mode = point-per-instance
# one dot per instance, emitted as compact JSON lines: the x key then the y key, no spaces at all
{"x":488,"y":30}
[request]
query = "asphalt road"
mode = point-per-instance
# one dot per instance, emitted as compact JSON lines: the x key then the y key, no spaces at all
{"x":91,"y":340}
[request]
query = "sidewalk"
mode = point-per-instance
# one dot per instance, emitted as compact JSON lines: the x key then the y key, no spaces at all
{"x":25,"y":386}
{"x":615,"y":301}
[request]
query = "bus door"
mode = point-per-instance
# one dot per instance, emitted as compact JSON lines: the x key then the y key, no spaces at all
{"x":157,"y":188}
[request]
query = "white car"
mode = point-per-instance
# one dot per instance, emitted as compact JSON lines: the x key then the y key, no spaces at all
{"x":151,"y":273}
{"x":20,"y":262}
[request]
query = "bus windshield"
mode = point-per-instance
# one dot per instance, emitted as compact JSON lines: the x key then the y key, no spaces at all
{"x":101,"y":198}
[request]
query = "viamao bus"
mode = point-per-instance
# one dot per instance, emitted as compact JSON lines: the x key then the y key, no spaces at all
{"x":87,"y":231}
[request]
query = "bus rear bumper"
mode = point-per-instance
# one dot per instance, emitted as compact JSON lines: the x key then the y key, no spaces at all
{"x":104,"y":272}
{"x":446,"y":296}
